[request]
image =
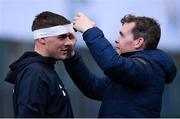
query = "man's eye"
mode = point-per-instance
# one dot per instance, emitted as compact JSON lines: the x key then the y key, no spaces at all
{"x":71,"y":36}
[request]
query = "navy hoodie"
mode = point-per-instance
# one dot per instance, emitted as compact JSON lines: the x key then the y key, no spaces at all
{"x":133,"y":83}
{"x":38,"y":91}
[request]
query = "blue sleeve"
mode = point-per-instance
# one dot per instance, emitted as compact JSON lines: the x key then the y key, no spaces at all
{"x":91,"y":85}
{"x":32,"y":95}
{"x":119,"y":69}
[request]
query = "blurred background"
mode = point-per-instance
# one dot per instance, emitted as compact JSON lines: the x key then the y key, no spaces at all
{"x":16,"y":17}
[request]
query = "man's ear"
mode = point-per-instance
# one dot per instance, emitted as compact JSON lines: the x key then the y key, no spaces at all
{"x":42,"y":41}
{"x":139,"y":43}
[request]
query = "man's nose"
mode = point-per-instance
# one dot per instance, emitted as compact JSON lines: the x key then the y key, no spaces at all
{"x":117,"y":41}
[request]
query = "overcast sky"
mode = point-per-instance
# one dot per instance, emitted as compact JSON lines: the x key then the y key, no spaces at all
{"x":16,"y":16}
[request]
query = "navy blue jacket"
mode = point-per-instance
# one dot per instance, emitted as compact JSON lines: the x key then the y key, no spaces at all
{"x":38,"y":90}
{"x":133,"y":82}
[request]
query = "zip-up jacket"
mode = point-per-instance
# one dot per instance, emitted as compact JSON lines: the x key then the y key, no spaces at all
{"x":133,"y":83}
{"x":38,"y":91}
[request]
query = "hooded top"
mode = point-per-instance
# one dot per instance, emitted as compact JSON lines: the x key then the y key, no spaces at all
{"x":38,"y":90}
{"x":133,"y":83}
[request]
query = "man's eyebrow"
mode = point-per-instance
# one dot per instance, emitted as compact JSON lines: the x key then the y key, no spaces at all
{"x":63,"y":34}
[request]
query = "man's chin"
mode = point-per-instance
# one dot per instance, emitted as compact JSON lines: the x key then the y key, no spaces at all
{"x":118,"y":51}
{"x":62,"y":57}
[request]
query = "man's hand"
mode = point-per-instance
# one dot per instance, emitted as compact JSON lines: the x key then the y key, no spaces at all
{"x":82,"y":23}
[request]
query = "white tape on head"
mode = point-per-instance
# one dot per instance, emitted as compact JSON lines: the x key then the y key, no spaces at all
{"x":53,"y":31}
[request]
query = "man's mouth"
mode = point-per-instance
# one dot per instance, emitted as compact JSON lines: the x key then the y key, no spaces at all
{"x":117,"y":48}
{"x":65,"y":51}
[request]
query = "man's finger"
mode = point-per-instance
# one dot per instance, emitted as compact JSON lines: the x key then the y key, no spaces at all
{"x":80,"y":14}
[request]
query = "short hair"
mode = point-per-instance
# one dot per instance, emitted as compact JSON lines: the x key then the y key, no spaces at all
{"x":48,"y":19}
{"x":145,"y":27}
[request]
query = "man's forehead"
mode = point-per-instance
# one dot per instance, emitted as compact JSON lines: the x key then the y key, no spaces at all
{"x":127,"y":27}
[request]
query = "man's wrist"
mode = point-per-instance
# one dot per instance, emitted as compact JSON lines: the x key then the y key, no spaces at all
{"x":89,"y":27}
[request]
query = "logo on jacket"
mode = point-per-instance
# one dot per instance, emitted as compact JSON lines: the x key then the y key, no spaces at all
{"x":64,"y":94}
